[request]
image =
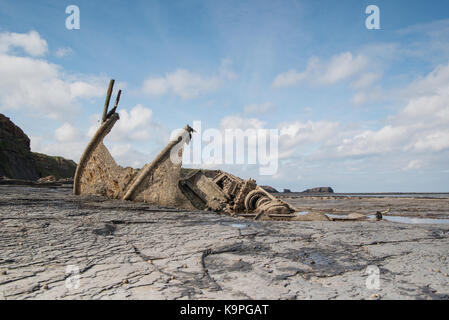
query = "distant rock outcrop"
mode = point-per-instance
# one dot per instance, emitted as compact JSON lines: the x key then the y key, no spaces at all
{"x":319,"y":190}
{"x":269,"y":189}
{"x":18,"y":162}
{"x":58,"y":167}
{"x":287,"y":191}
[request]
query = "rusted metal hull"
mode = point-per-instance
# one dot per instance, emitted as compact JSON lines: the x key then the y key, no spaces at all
{"x":156,"y":182}
{"x":164,"y":182}
{"x":160,"y":182}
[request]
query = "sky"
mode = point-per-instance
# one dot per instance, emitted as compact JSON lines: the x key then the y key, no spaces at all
{"x":357,"y":109}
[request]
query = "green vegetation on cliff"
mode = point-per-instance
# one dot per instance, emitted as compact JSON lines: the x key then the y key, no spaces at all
{"x":53,"y":166}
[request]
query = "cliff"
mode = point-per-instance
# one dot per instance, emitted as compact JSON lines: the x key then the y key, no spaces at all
{"x":18,"y":162}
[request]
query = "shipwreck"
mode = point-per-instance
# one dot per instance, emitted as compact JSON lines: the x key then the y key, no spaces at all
{"x":164,"y":182}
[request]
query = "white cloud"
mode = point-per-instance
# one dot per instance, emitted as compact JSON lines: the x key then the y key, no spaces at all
{"x":428,"y":41}
{"x":365,"y":80}
{"x":155,"y":86}
{"x":237,"y":122}
{"x":86,"y":88}
{"x":340,"y":67}
{"x":134,"y":131}
{"x":343,"y":66}
{"x":434,"y":83}
{"x":70,"y":150}
{"x":433,"y":28}
{"x":433,"y":141}
{"x":226,"y":70}
{"x":427,"y":99}
{"x":187,"y":84}
{"x":182,"y":82}
{"x":30,"y":42}
{"x":126,"y":155}
{"x":134,"y":125}
{"x":296,"y":136}
{"x":67,"y":133}
{"x":258,"y":108}
{"x":413,"y":165}
{"x":369,"y":95}
{"x":359,"y":98}
{"x":288,"y":78}
{"x":62,"y":52}
{"x":387,"y":139}
{"x":69,"y":142}
{"x":420,"y":127}
{"x":414,"y":139}
{"x":38,"y":85}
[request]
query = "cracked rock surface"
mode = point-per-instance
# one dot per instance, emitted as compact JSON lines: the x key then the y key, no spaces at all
{"x":54,"y":245}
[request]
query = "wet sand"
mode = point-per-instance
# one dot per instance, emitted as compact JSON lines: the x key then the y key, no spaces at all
{"x":431,"y":205}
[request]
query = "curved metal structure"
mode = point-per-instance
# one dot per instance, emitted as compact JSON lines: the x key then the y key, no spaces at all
{"x":164,"y":182}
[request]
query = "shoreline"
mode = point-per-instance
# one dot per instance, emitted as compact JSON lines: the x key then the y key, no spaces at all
{"x":128,"y":250}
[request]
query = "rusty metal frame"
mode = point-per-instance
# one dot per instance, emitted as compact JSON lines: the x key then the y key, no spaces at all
{"x":160,"y":181}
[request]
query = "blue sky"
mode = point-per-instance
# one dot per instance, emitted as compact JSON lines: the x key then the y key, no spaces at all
{"x":359,"y":110}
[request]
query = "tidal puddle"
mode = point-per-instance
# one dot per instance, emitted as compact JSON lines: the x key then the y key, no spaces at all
{"x":240,"y":225}
{"x":236,"y":225}
{"x":311,"y":257}
{"x":399,"y":219}
{"x":341,"y":217}
{"x":413,"y":220}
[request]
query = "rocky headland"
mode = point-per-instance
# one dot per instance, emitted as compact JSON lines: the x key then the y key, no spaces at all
{"x":17,"y":161}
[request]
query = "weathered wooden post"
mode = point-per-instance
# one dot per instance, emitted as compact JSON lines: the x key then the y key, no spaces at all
{"x":117,"y":99}
{"x":108,"y":98}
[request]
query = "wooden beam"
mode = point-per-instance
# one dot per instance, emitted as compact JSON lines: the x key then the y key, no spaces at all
{"x":108,"y":98}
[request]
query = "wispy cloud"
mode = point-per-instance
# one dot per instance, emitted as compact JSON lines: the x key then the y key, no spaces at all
{"x":261,"y":108}
{"x":62,"y":52}
{"x":187,"y":84}
{"x":339,"y":67}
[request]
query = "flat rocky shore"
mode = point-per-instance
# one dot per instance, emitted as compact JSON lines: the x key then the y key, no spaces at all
{"x":54,"y":245}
